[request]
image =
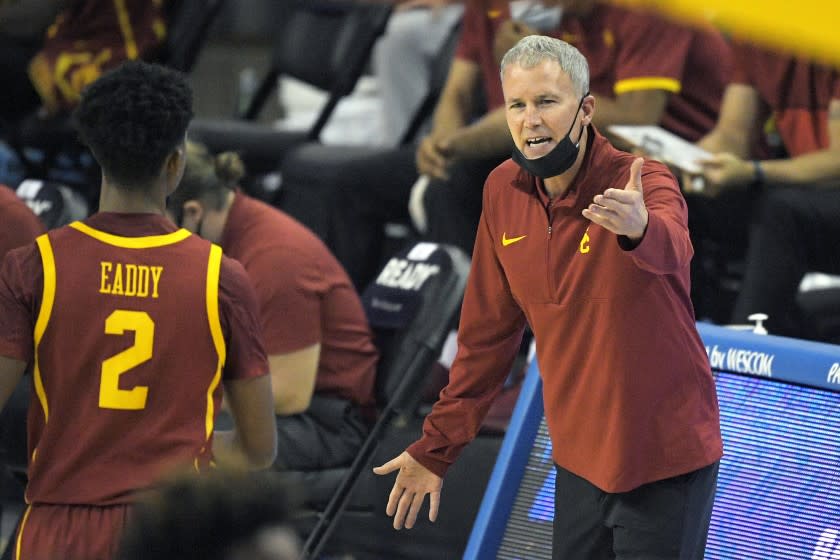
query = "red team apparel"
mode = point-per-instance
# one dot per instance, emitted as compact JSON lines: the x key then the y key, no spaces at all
{"x":797,"y":91}
{"x":18,"y":224}
{"x":616,"y":422}
{"x":136,"y":324}
{"x":627,"y":50}
{"x":305,"y":297}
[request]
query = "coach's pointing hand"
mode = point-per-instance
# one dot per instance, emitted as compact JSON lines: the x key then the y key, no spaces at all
{"x":623,"y":212}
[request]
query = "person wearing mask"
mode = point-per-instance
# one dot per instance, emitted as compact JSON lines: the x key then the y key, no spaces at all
{"x":589,"y":246}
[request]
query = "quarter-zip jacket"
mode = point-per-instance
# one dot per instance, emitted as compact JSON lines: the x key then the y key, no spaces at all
{"x":628,"y":391}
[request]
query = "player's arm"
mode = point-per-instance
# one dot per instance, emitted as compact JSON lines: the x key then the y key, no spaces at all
{"x":11,"y":371}
{"x":453,"y":110}
{"x":457,"y":99}
{"x":255,"y":436}
{"x":293,"y":379}
{"x":246,"y":379}
{"x":819,"y":168}
{"x":739,"y":123}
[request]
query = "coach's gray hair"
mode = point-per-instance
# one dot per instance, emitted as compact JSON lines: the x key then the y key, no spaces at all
{"x":534,"y":49}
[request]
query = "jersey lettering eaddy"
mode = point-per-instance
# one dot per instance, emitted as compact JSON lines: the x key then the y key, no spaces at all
{"x":131,"y":280}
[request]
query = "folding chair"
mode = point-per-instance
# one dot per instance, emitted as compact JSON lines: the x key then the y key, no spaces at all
{"x":189,"y":22}
{"x":324,"y":43}
{"x":411,"y":306}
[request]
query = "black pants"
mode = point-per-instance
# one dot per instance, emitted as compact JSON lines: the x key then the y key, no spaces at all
{"x":453,"y":206}
{"x":663,"y":520}
{"x":719,"y":229}
{"x":798,"y":231}
{"x":374,"y":190}
{"x":315,"y":447}
{"x":329,"y":434}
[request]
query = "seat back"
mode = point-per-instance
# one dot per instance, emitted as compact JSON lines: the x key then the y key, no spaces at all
{"x":326,"y":44}
{"x":323,"y":43}
{"x":411,"y":306}
{"x":189,"y":21}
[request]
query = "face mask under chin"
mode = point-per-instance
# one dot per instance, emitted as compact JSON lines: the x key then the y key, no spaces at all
{"x":557,"y":161}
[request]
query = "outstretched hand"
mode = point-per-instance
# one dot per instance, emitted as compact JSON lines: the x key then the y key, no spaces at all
{"x":622,"y":211}
{"x":413,"y":482}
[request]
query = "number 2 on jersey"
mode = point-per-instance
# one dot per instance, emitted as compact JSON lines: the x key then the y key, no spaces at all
{"x":110,"y":394}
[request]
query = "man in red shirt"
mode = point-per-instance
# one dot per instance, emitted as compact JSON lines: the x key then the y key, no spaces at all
{"x":131,"y":327}
{"x":797,"y":219}
{"x":590,"y":247}
{"x":320,"y":347}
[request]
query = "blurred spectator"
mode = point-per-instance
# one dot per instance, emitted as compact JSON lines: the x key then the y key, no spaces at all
{"x":321,"y":351}
{"x":85,"y":39}
{"x":403,"y":57}
{"x":796,"y":198}
{"x":19,"y":226}
{"x":644,"y":71}
{"x":89,"y":37}
{"x":23,"y":24}
{"x":218,"y":516}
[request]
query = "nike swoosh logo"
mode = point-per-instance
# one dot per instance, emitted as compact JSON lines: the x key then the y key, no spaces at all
{"x":512,"y":240}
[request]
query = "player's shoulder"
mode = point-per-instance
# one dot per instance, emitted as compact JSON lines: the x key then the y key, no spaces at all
{"x":231,"y":272}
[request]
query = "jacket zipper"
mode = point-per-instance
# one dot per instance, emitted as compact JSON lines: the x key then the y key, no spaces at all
{"x":548,"y":254}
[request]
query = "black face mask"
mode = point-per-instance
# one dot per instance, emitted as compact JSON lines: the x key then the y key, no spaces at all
{"x":558,"y":160}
